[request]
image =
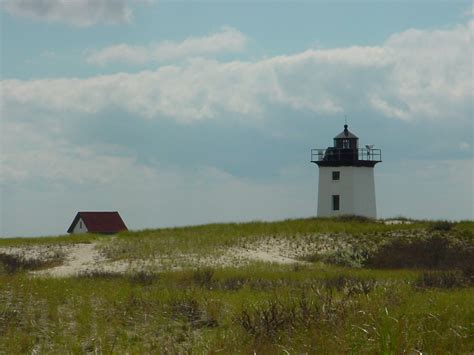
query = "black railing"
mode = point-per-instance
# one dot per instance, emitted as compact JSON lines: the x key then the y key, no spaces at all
{"x":337,"y":154}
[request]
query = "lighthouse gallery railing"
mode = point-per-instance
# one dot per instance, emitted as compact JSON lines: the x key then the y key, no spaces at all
{"x":338,"y":154}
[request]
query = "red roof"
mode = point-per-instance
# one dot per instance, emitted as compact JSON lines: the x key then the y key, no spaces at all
{"x":100,"y":222}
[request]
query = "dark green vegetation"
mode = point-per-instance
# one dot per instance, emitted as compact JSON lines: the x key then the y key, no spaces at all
{"x":11,"y":264}
{"x":372,"y":288}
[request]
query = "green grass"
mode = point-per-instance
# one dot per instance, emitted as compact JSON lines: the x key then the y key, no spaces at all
{"x":62,"y":239}
{"x":268,"y":310}
{"x":205,"y":238}
{"x":333,"y":304}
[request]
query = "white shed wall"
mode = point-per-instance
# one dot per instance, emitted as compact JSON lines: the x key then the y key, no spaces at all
{"x":356,"y":190}
{"x":78,"y":229}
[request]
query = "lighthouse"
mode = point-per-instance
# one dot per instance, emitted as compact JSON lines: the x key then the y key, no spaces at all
{"x":346,"y":177}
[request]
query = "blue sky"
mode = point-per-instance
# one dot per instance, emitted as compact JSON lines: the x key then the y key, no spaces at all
{"x":179,"y":113}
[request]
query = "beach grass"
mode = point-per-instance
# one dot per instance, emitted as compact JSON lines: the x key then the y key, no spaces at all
{"x":359,"y":301}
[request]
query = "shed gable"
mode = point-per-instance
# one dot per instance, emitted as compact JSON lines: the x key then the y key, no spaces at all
{"x":97,"y":222}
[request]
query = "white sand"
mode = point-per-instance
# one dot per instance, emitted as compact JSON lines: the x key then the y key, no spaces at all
{"x":78,"y":258}
{"x":85,"y":257}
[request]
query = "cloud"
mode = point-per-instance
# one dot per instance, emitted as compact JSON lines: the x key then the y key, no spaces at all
{"x":121,"y":53}
{"x":80,"y":13}
{"x":68,"y":178}
{"x":469,"y":12}
{"x":45,"y":169}
{"x":464,"y":146}
{"x":415,"y":75}
{"x":429,"y":67}
{"x":227,"y":40}
{"x":435,"y":189}
{"x":168,"y":199}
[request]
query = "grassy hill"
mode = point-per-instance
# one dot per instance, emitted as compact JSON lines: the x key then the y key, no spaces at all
{"x":294,"y":286}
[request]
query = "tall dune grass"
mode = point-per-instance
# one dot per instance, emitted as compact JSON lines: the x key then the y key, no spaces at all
{"x":354,"y":301}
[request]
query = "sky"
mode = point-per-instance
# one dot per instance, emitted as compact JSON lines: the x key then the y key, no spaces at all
{"x":179,"y":113}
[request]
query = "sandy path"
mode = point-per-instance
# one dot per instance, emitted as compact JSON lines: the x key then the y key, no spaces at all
{"x":79,"y":258}
{"x":85,"y":257}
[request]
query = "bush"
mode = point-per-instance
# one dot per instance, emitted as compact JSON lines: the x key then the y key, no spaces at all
{"x":354,"y":218}
{"x":442,"y":279}
{"x":435,"y":252}
{"x":233,"y":283}
{"x":349,"y":257}
{"x":269,"y":319}
{"x":103,"y":275}
{"x":143,"y":278}
{"x":351,"y":285}
{"x":11,"y":264}
{"x":266,"y":319}
{"x":441,"y":226}
{"x":9,"y":318}
{"x":203,"y":277}
{"x":189,"y":309}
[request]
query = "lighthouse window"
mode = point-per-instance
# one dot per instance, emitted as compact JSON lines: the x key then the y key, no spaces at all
{"x":336,"y":175}
{"x":335,"y":202}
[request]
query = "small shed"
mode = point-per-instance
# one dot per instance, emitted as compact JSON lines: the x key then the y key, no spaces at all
{"x":97,"y":222}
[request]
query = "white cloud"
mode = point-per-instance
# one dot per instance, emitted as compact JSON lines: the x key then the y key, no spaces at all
{"x":44,"y":169}
{"x":432,"y":71}
{"x":464,"y":146}
{"x":75,"y":12}
{"x":122,"y":53}
{"x":469,"y":12}
{"x":436,"y":189}
{"x":414,"y":75}
{"x":227,"y":40}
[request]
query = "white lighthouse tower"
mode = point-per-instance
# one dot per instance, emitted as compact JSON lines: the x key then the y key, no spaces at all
{"x":346,"y":177}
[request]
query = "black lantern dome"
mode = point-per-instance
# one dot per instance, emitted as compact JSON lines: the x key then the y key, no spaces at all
{"x":346,"y":152}
{"x":346,"y":140}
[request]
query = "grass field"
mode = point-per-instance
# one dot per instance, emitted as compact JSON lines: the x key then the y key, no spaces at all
{"x":356,"y":286}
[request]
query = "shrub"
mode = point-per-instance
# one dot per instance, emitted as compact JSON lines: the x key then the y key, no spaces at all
{"x":441,"y":226}
{"x":143,"y":278}
{"x":349,"y":257}
{"x":9,"y":317}
{"x":400,"y":218}
{"x":233,"y":283}
{"x":263,"y":284}
{"x":434,"y":252}
{"x":266,"y":319}
{"x":351,"y":285}
{"x":11,"y":264}
{"x":269,"y":319}
{"x":103,"y":275}
{"x":189,"y":309}
{"x":442,"y":279}
{"x":468,"y":272}
{"x":354,"y":218}
{"x":203,"y":277}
